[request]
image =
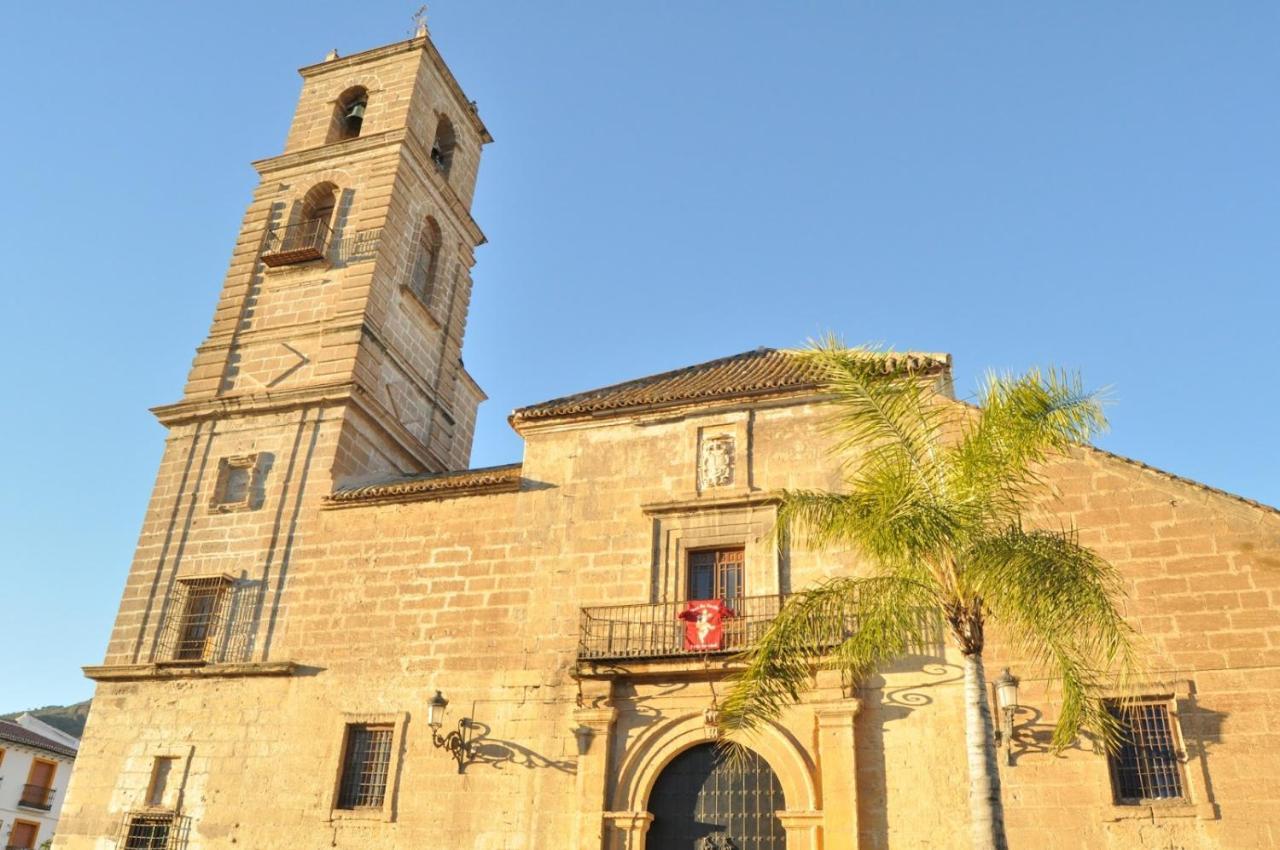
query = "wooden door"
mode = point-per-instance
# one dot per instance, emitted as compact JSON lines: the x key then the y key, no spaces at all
{"x":703,"y":800}
{"x":23,"y":834}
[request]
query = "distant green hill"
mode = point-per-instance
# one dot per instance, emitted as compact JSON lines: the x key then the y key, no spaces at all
{"x":68,"y":718}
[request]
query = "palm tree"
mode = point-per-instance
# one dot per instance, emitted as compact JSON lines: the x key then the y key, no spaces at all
{"x":934,"y":497}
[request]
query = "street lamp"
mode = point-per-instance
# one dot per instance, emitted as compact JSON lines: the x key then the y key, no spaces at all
{"x":1007,"y":703}
{"x":455,"y":742}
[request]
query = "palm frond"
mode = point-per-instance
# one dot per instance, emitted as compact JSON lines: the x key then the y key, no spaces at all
{"x":884,"y":417}
{"x":886,"y":517}
{"x":1059,"y":602}
{"x":851,"y":624}
{"x":1024,"y":420}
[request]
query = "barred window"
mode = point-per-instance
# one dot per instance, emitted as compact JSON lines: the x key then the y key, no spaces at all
{"x":1147,"y":765}
{"x":149,"y":832}
{"x":198,"y":618}
{"x":365,"y":765}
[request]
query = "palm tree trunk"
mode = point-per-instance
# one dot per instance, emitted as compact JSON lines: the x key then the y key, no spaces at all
{"x":986,"y":811}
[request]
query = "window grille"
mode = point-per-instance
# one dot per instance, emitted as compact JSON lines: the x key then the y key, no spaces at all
{"x":365,"y":766}
{"x":196,"y":626}
{"x":152,"y":831}
{"x":1146,"y":767}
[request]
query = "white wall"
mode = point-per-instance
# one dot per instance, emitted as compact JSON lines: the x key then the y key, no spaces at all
{"x":14,"y":769}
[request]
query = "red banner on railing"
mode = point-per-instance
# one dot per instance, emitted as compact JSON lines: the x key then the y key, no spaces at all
{"x":704,"y":624}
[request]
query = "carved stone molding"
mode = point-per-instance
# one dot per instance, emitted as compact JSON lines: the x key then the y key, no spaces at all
{"x":716,"y":461}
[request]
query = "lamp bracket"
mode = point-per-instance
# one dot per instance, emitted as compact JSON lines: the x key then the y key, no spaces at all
{"x":457,"y":743}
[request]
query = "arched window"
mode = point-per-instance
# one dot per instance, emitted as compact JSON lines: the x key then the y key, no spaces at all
{"x":426,"y":262}
{"x":306,"y":237}
{"x":442,"y":147}
{"x":348,"y":114}
{"x":318,"y":204}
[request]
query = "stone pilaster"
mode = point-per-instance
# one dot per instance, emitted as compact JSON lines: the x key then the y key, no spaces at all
{"x":838,"y":768}
{"x":804,"y":829}
{"x":593,"y":733}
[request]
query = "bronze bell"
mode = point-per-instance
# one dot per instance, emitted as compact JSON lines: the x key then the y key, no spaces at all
{"x":356,"y":111}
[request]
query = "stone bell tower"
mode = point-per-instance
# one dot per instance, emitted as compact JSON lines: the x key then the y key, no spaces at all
{"x":335,"y":351}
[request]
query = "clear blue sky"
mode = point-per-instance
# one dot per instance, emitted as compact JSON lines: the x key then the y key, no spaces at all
{"x":1095,"y":185}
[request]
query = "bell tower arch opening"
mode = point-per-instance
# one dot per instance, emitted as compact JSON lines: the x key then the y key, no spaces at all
{"x":348,"y":114}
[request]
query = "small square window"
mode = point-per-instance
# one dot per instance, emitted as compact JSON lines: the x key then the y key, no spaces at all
{"x":1147,"y":766}
{"x":150,"y":831}
{"x":366,"y":763}
{"x":237,"y":477}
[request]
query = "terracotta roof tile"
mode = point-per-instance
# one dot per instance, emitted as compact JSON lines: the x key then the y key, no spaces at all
{"x":436,"y":485}
{"x":15,"y":734}
{"x":758,"y":372}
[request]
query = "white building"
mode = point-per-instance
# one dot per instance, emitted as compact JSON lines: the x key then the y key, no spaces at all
{"x":35,"y":765}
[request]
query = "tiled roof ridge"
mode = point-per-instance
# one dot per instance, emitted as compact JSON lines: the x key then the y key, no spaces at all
{"x":746,"y":373}
{"x":16,"y":733}
{"x":484,"y":479}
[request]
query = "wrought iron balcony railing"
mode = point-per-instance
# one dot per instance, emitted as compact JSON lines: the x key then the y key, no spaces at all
{"x":36,"y":797}
{"x":659,"y":631}
{"x":296,"y":243}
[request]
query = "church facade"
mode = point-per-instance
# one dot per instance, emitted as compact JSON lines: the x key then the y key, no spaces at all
{"x":335,"y":634}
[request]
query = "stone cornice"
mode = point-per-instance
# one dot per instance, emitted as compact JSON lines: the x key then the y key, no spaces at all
{"x":691,"y":506}
{"x":193,"y":410}
{"x":199,"y":670}
{"x":370,"y":55}
{"x":333,"y":150}
{"x":672,"y":669}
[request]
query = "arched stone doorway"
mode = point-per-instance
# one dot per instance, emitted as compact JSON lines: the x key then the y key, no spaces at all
{"x":705,"y":800}
{"x":647,"y":755}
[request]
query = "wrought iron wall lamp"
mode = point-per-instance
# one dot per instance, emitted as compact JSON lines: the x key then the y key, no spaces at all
{"x":458,"y":741}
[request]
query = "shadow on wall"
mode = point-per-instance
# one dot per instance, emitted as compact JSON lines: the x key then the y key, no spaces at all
{"x":498,"y":753}
{"x":882,"y":706}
